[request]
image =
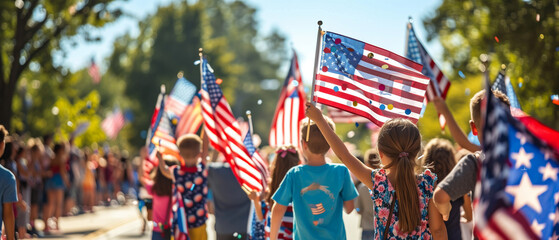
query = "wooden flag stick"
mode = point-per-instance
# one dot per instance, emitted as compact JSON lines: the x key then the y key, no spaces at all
{"x":316,"y":55}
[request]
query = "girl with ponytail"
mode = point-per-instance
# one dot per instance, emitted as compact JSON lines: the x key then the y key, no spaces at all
{"x":402,"y":200}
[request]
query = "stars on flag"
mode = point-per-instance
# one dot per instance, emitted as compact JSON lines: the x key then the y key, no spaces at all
{"x":526,"y":194}
{"x":522,"y":158}
{"x":549,"y":172}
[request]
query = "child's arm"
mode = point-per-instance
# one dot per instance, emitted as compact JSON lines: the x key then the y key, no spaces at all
{"x":467,"y":208}
{"x":163,"y":167}
{"x":359,"y":169}
{"x":255,"y":197}
{"x":205,"y":147}
{"x":442,"y":202}
{"x":278,"y":211}
{"x":436,"y":223}
{"x":455,"y":130}
{"x":349,"y":205}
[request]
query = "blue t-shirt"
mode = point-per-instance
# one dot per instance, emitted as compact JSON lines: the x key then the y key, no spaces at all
{"x":317,"y":194}
{"x":7,"y":190}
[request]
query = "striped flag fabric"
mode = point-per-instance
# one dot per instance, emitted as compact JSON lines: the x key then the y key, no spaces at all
{"x":151,"y":161}
{"x":224,"y":132}
{"x":368,"y":81}
{"x":179,"y":217}
{"x":257,"y":158}
{"x":290,"y":109}
{"x":94,"y":72}
{"x":113,"y":123}
{"x":180,"y":108}
{"x":439,"y":84}
{"x":517,"y":192}
{"x":340,"y":116}
{"x":191,"y":119}
{"x":503,"y":84}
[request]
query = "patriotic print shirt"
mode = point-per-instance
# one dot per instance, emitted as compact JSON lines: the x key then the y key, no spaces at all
{"x":382,"y":194}
{"x":192,"y":183}
{"x":286,"y":227}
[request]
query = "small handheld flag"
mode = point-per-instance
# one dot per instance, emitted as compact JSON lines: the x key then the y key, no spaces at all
{"x":368,"y":81}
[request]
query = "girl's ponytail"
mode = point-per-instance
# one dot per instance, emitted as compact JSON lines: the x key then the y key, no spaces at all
{"x":399,"y":140}
{"x":406,"y":192}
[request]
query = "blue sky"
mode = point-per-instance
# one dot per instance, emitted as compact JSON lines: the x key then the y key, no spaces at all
{"x":381,"y":23}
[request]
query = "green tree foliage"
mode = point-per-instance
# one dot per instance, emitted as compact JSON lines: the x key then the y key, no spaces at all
{"x":523,"y":35}
{"x":168,"y":43}
{"x":32,"y":30}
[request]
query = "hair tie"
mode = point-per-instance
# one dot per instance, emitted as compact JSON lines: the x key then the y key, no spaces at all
{"x":404,"y":154}
{"x":283,"y":152}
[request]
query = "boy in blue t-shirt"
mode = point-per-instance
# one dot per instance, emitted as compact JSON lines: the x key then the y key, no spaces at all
{"x":318,"y":191}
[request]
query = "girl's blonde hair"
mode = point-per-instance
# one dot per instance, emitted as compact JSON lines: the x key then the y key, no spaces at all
{"x":400,"y":141}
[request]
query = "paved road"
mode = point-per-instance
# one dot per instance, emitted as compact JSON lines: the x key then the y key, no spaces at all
{"x":124,"y":223}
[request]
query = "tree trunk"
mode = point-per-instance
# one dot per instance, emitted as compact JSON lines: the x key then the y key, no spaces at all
{"x":6,"y":111}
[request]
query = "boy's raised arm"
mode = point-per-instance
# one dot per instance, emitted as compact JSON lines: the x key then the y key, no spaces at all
{"x":455,"y":130}
{"x":163,"y":167}
{"x":359,"y":169}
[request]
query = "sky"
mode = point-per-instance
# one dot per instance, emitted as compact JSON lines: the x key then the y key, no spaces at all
{"x":381,"y":23}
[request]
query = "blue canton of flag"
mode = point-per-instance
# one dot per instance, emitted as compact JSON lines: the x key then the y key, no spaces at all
{"x":416,"y":53}
{"x":503,"y":84}
{"x":518,"y":189}
{"x":248,"y":143}
{"x":346,"y":58}
{"x":511,"y":94}
{"x":210,"y":85}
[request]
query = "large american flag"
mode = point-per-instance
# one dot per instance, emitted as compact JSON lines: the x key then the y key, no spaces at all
{"x":503,"y":84}
{"x":368,"y":81}
{"x":182,"y":109}
{"x":224,"y":132}
{"x":112,"y":124}
{"x":518,"y":189}
{"x":439,"y":84}
{"x":257,"y":158}
{"x":290,"y":109}
{"x":175,"y":106}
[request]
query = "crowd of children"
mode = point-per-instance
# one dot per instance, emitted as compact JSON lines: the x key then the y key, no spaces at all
{"x":55,"y":180}
{"x":406,"y":189}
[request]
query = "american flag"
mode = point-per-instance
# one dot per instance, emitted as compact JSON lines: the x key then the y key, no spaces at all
{"x":290,"y":109}
{"x":94,"y":72}
{"x":503,"y":84}
{"x":112,"y":124}
{"x":224,"y":132}
{"x":257,"y":158}
{"x":439,"y":84}
{"x":317,"y":209}
{"x":368,"y":81}
{"x":191,"y":119}
{"x":518,"y":190}
{"x":151,"y":161}
{"x":179,"y":101}
{"x":179,"y":217}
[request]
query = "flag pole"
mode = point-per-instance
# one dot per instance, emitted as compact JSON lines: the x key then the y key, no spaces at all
{"x":201,"y":54}
{"x":249,"y":116}
{"x":316,"y":55}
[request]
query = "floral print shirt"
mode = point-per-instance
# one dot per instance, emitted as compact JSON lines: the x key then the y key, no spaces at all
{"x":382,"y":194}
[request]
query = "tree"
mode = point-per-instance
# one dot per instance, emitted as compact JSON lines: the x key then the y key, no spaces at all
{"x":522,"y":35}
{"x":32,"y":30}
{"x":168,"y":43}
